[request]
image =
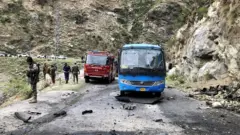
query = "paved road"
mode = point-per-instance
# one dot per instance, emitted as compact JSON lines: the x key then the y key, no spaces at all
{"x":177,"y":114}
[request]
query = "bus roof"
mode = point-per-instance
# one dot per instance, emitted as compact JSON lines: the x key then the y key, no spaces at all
{"x":142,"y":46}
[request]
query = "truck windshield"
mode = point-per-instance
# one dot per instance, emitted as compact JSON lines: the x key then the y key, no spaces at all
{"x":141,"y":58}
{"x":96,"y":60}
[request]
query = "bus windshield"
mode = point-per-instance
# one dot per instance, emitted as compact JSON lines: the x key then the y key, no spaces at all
{"x":96,"y":60}
{"x":142,"y":58}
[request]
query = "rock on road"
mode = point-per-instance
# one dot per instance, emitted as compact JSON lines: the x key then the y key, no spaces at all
{"x":177,"y":114}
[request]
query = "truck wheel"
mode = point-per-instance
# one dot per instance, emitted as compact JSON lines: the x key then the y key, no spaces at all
{"x":113,"y":78}
{"x":87,"y":80}
{"x":109,"y":80}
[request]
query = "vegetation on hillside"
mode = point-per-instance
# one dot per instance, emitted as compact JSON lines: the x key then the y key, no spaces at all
{"x":16,"y":68}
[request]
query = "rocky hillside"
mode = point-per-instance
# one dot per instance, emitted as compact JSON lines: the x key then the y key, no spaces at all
{"x":209,"y":48}
{"x":201,"y":37}
{"x":33,"y":25}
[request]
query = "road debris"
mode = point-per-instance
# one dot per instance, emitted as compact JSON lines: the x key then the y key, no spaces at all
{"x":128,"y":107}
{"x":191,"y":95}
{"x":222,"y":115}
{"x":141,"y":100}
{"x":112,"y":132}
{"x":22,"y":116}
{"x":158,"y":120}
{"x":60,"y":113}
{"x":170,"y":98}
{"x":220,"y":96}
{"x":86,"y":112}
{"x":123,"y":99}
{"x":34,"y":113}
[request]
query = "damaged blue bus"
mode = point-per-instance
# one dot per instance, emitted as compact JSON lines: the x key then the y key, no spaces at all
{"x":141,"y":68}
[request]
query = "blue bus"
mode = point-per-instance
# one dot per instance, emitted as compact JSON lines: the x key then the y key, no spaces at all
{"x":141,"y":68}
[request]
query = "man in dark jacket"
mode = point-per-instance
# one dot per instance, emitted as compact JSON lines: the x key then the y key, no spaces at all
{"x":53,"y":73}
{"x":45,"y":70}
{"x":33,"y":77}
{"x":66,"y":70}
{"x":75,"y":72}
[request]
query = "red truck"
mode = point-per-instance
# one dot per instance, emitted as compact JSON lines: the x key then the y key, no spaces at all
{"x":99,"y":65}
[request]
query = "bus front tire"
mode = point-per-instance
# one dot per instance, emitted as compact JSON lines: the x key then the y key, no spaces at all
{"x":122,"y":93}
{"x":158,"y":94}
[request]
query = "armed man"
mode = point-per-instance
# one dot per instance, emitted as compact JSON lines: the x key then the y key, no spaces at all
{"x":33,"y":77}
{"x":75,"y":72}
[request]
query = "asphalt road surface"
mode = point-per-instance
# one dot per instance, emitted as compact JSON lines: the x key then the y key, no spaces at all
{"x":176,"y":114}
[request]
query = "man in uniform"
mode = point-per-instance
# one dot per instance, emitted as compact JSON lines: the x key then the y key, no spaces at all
{"x":67,"y":70}
{"x":53,"y":73}
{"x":45,"y":70}
{"x":75,"y":72}
{"x":33,"y":77}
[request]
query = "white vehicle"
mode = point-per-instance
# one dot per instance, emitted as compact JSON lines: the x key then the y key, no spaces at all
{"x":53,"y":57}
{"x":2,"y":55}
{"x":22,"y":55}
{"x":61,"y":57}
{"x":40,"y":56}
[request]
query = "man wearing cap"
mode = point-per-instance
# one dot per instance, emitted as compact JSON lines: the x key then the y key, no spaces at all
{"x":33,"y":77}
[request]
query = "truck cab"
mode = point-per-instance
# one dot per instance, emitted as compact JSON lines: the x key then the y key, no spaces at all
{"x":99,"y":65}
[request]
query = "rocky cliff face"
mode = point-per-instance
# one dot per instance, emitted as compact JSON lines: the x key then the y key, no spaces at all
{"x":211,"y":45}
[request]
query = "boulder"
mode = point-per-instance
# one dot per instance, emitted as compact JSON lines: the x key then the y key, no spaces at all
{"x":214,"y":69}
{"x":200,"y":45}
{"x":173,"y":71}
{"x":217,"y":105}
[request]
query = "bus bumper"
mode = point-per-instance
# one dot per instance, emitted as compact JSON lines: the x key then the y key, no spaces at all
{"x":126,"y":87}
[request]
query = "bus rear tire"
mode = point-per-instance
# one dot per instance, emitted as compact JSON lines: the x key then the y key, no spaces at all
{"x":87,"y":80}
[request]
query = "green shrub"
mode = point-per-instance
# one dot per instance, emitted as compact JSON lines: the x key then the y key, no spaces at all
{"x":208,"y":76}
{"x":17,"y":86}
{"x":180,"y":79}
{"x":202,"y":11}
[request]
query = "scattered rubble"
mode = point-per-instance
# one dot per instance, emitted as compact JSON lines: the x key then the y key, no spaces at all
{"x":191,"y":95}
{"x":128,"y":107}
{"x":22,"y":116}
{"x":60,"y":113}
{"x":220,"y":96}
{"x":170,"y":98}
{"x":158,"y":120}
{"x":86,"y":112}
{"x":141,"y":100}
{"x":113,"y":132}
{"x":34,"y":113}
{"x":123,"y":99}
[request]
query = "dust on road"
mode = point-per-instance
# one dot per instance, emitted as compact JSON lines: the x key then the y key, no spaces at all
{"x":177,"y":114}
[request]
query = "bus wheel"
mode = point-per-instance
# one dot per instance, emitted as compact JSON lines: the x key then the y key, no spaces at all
{"x":158,"y":94}
{"x":122,"y":93}
{"x":87,"y":80}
